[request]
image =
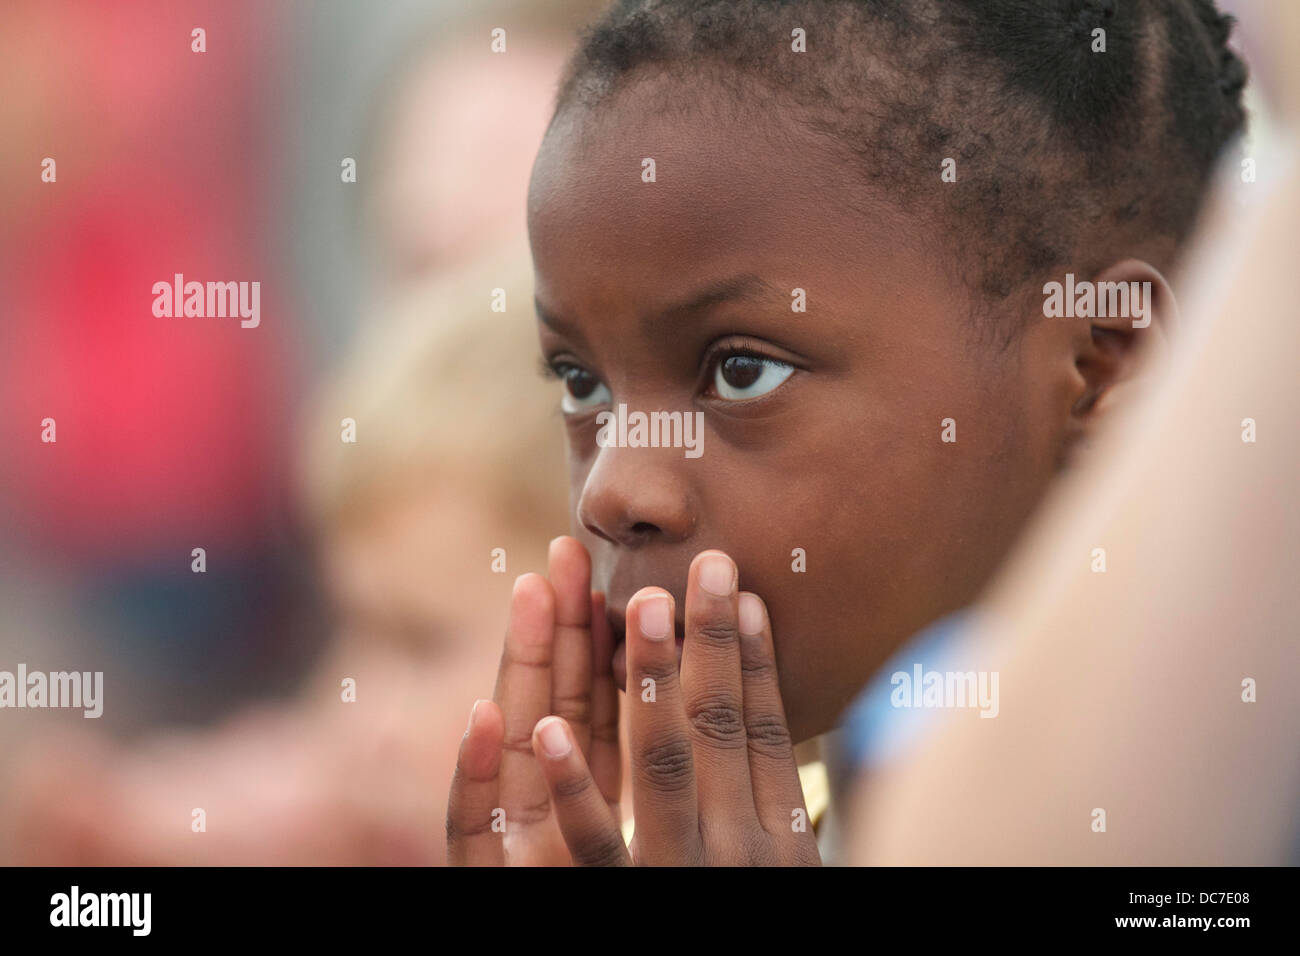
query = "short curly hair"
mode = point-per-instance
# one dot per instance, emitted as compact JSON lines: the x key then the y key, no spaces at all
{"x":1052,"y":141}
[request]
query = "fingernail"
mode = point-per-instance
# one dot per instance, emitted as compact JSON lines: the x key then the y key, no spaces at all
{"x":751,"y":614}
{"x":555,"y":741}
{"x":473,"y":713}
{"x":717,"y":575}
{"x":656,"y":617}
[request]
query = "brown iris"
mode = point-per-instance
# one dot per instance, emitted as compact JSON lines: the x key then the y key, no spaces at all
{"x":742,"y":371}
{"x":579,"y":382}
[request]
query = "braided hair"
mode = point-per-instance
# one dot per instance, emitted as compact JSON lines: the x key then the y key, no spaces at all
{"x":1055,"y":142}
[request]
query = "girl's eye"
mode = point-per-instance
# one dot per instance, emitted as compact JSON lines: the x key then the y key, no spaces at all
{"x":581,"y":389}
{"x":739,"y":376}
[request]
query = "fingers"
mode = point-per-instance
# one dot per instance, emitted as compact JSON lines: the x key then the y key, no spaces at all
{"x":583,"y":691}
{"x":772,"y":764}
{"x":664,"y":796}
{"x":523,"y":693}
{"x":712,"y":691}
{"x":604,"y":755}
{"x":474,"y":797}
{"x":589,"y":827}
{"x":569,"y":571}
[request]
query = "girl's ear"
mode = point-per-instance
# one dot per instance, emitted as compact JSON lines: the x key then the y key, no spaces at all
{"x":1140,"y":313}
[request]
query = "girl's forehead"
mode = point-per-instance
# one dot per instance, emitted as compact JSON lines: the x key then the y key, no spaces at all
{"x":690,"y":178}
{"x":694,"y":140}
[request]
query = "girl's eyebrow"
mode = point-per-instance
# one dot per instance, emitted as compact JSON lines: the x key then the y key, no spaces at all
{"x":548,"y":319}
{"x":745,"y":287}
{"x":557,"y":323}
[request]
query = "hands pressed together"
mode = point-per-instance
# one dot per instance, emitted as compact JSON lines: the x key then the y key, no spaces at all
{"x":714,"y":777}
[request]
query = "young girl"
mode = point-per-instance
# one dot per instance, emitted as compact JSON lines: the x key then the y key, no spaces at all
{"x":822,"y":229}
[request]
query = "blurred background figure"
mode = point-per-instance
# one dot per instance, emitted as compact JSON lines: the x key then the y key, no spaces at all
{"x":171,"y":434}
{"x":406,"y":521}
{"x":224,"y":690}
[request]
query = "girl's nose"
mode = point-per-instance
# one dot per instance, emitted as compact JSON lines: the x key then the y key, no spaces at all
{"x":634,"y":496}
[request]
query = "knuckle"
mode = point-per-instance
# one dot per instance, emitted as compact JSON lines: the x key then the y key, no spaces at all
{"x":531,"y":813}
{"x":718,"y":718}
{"x":756,"y":848}
{"x":757,"y":666}
{"x":661,"y":672}
{"x":575,"y":708}
{"x":518,"y":743}
{"x":538,"y":658}
{"x":603,"y":848}
{"x":720,"y":631}
{"x":572,"y":785}
{"x":458,"y":830}
{"x":667,"y":766}
{"x":768,"y":735}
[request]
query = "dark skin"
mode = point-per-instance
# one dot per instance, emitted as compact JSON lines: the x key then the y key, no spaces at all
{"x":822,"y":432}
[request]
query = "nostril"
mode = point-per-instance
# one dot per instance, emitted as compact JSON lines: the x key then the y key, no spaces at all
{"x":595,"y":529}
{"x":643,"y":529}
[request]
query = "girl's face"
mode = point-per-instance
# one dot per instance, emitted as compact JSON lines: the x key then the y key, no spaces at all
{"x":822,"y":429}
